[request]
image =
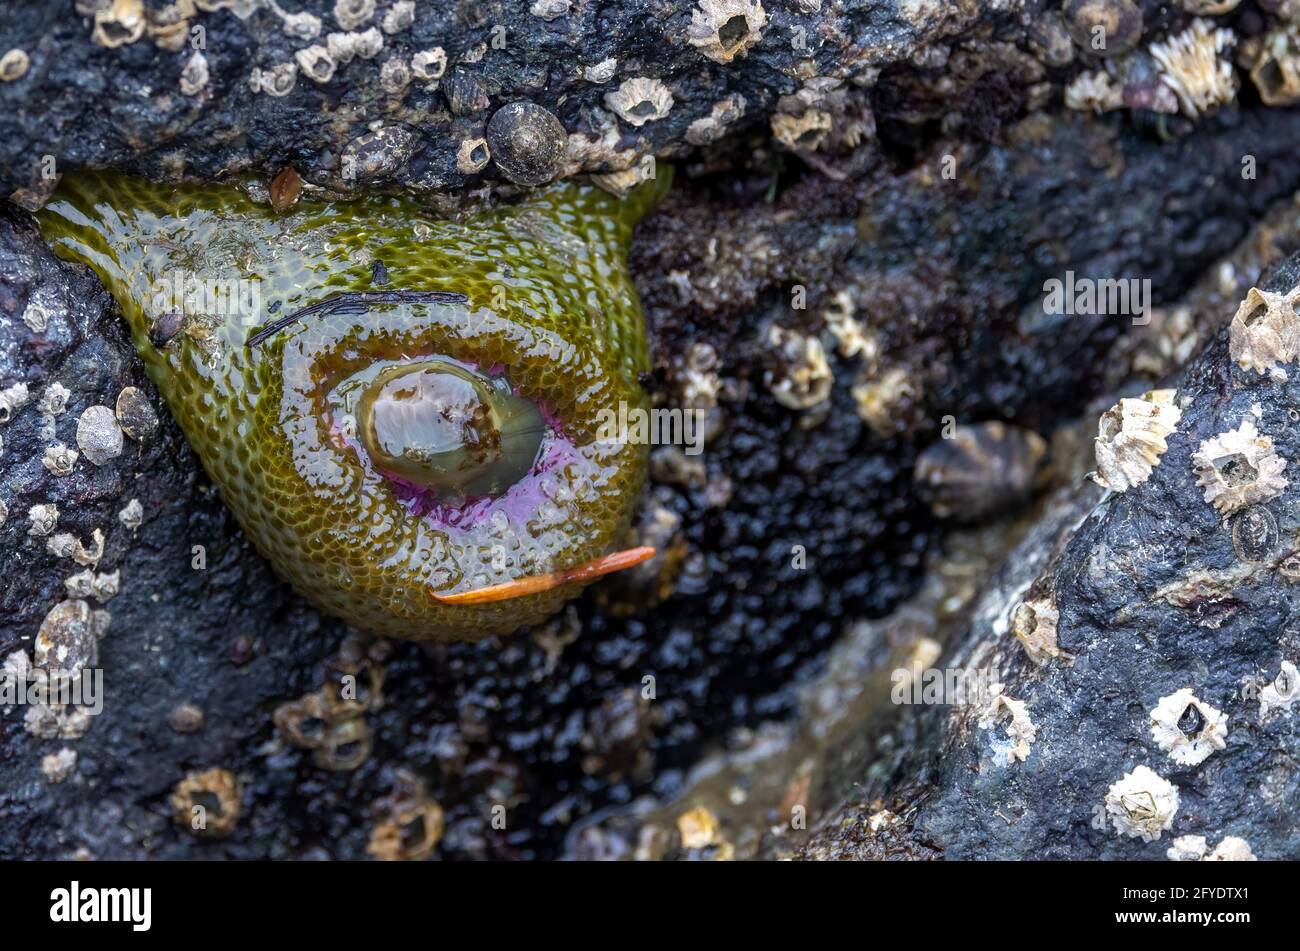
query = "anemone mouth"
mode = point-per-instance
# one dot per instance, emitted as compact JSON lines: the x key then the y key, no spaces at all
{"x":447,"y":429}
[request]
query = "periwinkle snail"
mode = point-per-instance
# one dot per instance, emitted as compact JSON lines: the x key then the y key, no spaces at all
{"x":407,"y":420}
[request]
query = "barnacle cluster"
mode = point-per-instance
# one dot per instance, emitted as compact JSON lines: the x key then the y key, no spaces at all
{"x":1187,"y":728}
{"x":1239,"y":468}
{"x":1142,"y":804}
{"x":1195,"y":848}
{"x":1131,"y":438}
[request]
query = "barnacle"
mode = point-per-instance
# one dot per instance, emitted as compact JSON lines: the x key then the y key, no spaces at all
{"x":725,"y":29}
{"x":208,"y":803}
{"x":119,"y":24}
{"x":1282,"y":693}
{"x":1193,"y":69}
{"x":1095,"y":92}
{"x":1239,"y":468}
{"x":1276,"y":71}
{"x":1188,"y":729}
{"x":429,"y":64}
{"x":724,"y":113}
{"x":1265,"y":331}
{"x":194,"y":75}
{"x":803,"y":132}
{"x":801,"y":378}
{"x":1020,"y":730}
{"x":351,"y":14}
{"x":473,"y":156}
{"x":980,"y":470}
{"x":1194,"y":848}
{"x":640,"y":100}
{"x":1034,"y":625}
{"x":1131,"y":438}
{"x":419,"y":456}
{"x":316,"y":63}
{"x":13,"y":65}
{"x":1232,"y":849}
{"x":1103,"y":27}
{"x":277,"y":81}
{"x":1142,"y":804}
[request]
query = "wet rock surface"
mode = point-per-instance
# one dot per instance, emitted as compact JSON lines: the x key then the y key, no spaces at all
{"x":1156,"y":592}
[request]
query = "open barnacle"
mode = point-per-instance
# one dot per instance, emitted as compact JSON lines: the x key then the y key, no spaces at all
{"x":1142,"y":804}
{"x":424,"y":454}
{"x":1265,"y":331}
{"x":1131,"y":438}
{"x":1239,"y":468}
{"x":1187,"y":728}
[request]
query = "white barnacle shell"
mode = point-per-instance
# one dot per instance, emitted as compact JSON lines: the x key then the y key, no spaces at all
{"x":1188,"y":848}
{"x":1239,"y":468}
{"x":13,"y":65}
{"x":1020,"y":730}
{"x":194,"y":74}
{"x":369,"y":43}
{"x":1131,"y":438}
{"x":12,"y":398}
{"x":640,"y":100}
{"x":1187,"y":728}
{"x":1142,"y":804}
{"x":601,"y":72}
{"x":621,"y":182}
{"x":277,"y":81}
{"x":1265,"y":331}
{"x":300,"y":26}
{"x":1282,"y":693}
{"x":399,"y":16}
{"x":1192,"y":68}
{"x":43,"y":518}
{"x":394,"y":75}
{"x":429,"y":64}
{"x":715,"y":124}
{"x":118,"y":24}
{"x":59,"y":459}
{"x":473,"y":156}
{"x":1232,"y":849}
{"x":316,"y":63}
{"x":351,"y":14}
{"x":1034,"y":625}
{"x":725,"y":29}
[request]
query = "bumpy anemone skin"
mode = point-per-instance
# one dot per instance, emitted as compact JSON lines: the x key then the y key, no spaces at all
{"x":550,"y":305}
